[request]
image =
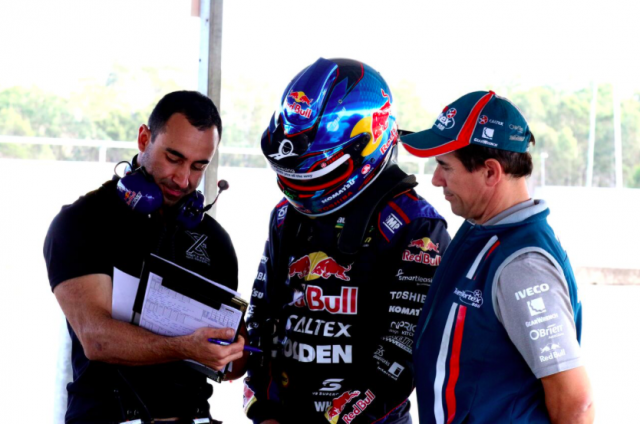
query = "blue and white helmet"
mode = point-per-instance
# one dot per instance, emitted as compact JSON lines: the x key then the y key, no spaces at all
{"x":332,"y":135}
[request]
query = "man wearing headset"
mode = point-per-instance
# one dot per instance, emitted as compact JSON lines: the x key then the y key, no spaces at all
{"x":348,"y":261}
{"x":95,"y":249}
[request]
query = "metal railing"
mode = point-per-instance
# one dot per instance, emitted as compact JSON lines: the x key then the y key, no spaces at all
{"x":104,"y":145}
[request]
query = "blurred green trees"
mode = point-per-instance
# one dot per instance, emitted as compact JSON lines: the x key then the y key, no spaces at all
{"x":114,"y":109}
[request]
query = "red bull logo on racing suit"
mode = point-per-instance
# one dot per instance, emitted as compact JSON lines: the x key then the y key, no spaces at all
{"x":338,"y":404}
{"x":425,"y":244}
{"x":315,"y":299}
{"x":318,"y":264}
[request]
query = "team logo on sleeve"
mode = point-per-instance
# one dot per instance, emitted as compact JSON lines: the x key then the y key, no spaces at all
{"x":551,"y":351}
{"x":425,"y":244}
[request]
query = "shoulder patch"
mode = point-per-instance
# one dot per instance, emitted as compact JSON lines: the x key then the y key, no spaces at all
{"x":281,"y":212}
{"x":403,"y":209}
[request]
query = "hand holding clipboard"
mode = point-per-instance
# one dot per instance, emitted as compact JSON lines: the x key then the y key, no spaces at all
{"x":174,"y":301}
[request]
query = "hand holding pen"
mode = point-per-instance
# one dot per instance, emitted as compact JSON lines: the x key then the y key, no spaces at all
{"x":227,"y":343}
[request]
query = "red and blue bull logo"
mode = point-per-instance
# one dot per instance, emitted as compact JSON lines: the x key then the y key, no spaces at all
{"x":316,"y":265}
{"x":300,"y":98}
{"x":425,"y":244}
{"x":359,"y":407}
{"x":380,"y":121}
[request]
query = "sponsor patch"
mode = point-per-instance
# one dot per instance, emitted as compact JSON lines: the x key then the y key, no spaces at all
{"x":415,"y":312}
{"x":392,"y":223}
{"x":316,"y":265}
{"x":425,"y":244}
{"x":532,"y":291}
{"x":551,"y":351}
{"x":407,"y":295}
{"x":468,"y":297}
{"x":488,"y":133}
{"x":445,"y":120}
{"x":344,"y":304}
{"x":308,"y":325}
{"x":540,"y":320}
{"x":415,"y":278}
{"x":321,"y":354}
{"x":536,"y":306}
{"x":421,"y":258}
{"x":551,"y":332}
{"x":404,"y":343}
{"x":338,"y":404}
{"x":359,"y":407}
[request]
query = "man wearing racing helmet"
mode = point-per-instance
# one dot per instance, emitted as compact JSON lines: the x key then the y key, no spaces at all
{"x":349,"y":258}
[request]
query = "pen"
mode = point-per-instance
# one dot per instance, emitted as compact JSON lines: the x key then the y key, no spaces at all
{"x":226,"y":343}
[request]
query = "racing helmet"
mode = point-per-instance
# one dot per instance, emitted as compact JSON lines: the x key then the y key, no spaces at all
{"x":331,"y":136}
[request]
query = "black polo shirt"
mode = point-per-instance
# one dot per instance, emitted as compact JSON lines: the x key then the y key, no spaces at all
{"x":99,"y":234}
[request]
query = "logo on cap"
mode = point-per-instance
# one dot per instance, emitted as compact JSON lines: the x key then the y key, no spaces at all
{"x":483,"y":120}
{"x":445,"y":120}
{"x":487,"y":133}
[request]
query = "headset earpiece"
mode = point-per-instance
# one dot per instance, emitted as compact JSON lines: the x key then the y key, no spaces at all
{"x":138,"y":190}
{"x":191,"y":210}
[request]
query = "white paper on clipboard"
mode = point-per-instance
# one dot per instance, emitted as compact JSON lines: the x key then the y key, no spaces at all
{"x":170,"y":313}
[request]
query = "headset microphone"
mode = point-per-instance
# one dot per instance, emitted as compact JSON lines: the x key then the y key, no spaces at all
{"x":222,"y":186}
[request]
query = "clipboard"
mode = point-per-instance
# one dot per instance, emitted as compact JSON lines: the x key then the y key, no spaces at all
{"x":174,"y":301}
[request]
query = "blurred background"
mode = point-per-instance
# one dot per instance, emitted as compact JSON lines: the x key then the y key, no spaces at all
{"x":77,"y":78}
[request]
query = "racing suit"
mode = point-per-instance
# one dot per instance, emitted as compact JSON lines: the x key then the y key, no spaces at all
{"x":335,"y":304}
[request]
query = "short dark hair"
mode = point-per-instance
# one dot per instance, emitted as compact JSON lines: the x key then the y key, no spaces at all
{"x":516,"y":164}
{"x":196,"y":107}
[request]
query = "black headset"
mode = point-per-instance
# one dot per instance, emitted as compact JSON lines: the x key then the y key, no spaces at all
{"x":138,"y":190}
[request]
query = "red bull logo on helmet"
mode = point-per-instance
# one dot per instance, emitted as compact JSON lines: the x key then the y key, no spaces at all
{"x":316,"y":265}
{"x":338,"y":404}
{"x":300,"y":97}
{"x":425,"y":244}
{"x":380,"y":121}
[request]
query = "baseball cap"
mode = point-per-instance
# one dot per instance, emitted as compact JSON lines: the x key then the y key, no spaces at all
{"x":482,"y":118}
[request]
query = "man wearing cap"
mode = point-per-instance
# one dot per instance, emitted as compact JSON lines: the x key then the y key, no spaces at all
{"x":499,"y":336}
